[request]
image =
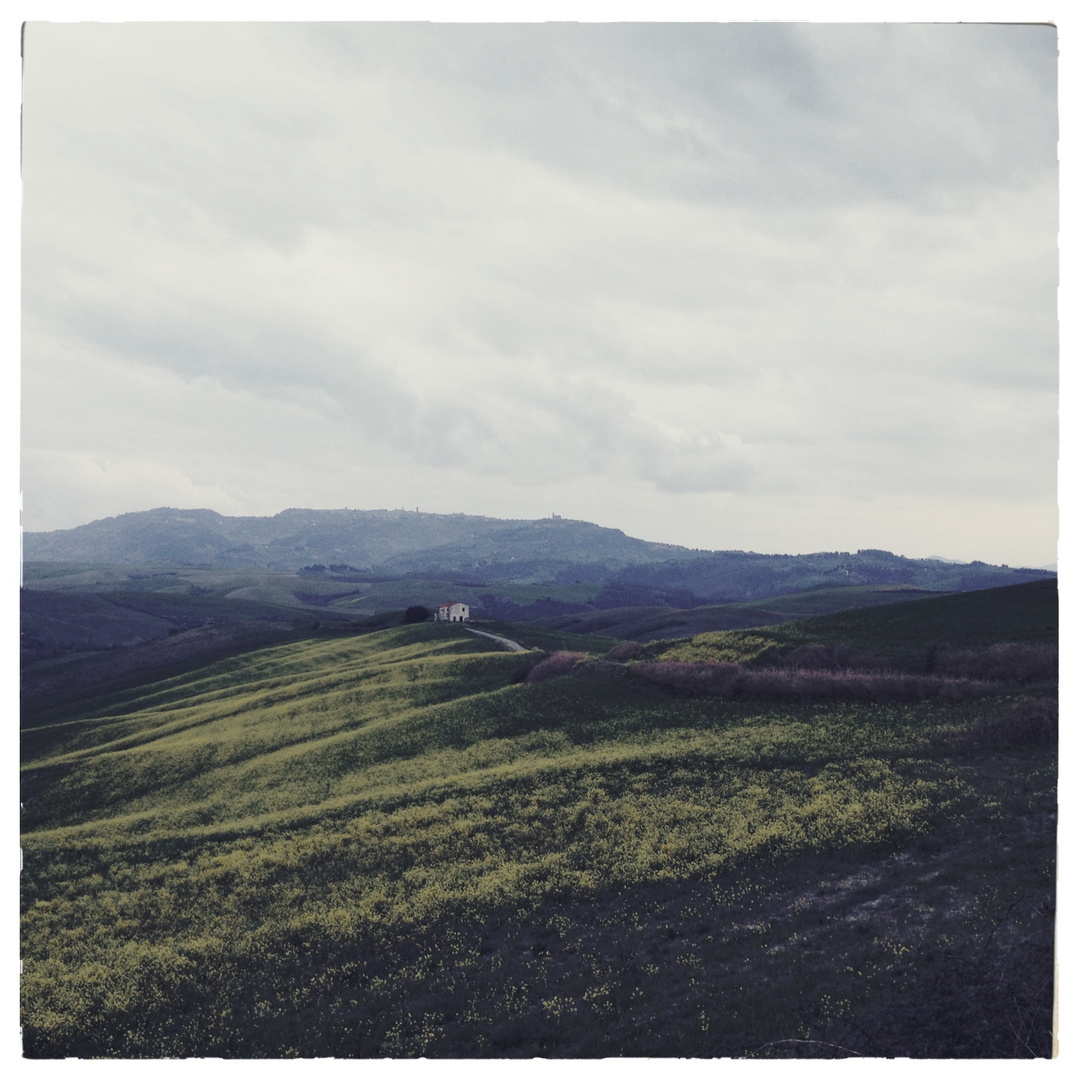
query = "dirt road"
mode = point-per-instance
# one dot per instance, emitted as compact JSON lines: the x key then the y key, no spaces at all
{"x":505,"y":642}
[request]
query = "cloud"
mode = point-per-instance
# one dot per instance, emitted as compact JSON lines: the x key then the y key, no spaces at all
{"x":676,"y":260}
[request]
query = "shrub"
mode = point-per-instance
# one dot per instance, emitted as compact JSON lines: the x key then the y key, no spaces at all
{"x":832,"y":658}
{"x":559,"y":663}
{"x":1012,"y":662}
{"x":708,"y":679}
{"x":1031,"y":722}
{"x":731,"y":680}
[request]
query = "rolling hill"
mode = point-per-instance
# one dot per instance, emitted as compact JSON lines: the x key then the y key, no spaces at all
{"x":403,"y":843}
{"x":350,"y":546}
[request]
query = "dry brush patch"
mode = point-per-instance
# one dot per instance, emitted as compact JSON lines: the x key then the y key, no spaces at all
{"x":833,"y":658}
{"x":558,"y":663}
{"x":1023,"y":723}
{"x":734,"y":680}
{"x":1009,"y":662}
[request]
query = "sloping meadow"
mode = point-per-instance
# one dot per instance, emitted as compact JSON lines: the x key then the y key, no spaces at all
{"x":318,"y":849}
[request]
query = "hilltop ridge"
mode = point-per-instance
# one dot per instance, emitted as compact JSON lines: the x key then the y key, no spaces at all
{"x":472,"y":549}
{"x":383,"y":541}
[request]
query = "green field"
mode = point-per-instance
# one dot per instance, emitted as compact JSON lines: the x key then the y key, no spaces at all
{"x":651,"y":623}
{"x":904,"y":634}
{"x":394,"y":844}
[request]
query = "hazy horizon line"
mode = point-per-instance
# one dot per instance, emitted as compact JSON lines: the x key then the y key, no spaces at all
{"x":1050,"y":567}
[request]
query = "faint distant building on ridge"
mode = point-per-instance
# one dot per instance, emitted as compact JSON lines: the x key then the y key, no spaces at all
{"x":452,"y":611}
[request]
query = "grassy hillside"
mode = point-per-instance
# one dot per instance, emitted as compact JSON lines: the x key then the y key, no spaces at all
{"x":533,"y":636}
{"x":1027,"y":612}
{"x":390,"y":844}
{"x":652,"y":623}
{"x":904,"y":634}
{"x":82,"y":625}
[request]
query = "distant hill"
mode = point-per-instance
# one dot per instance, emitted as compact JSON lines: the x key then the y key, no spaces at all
{"x":389,"y":543}
{"x":352,"y":545}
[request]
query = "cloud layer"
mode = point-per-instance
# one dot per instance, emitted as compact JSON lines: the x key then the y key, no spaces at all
{"x":774,"y":286}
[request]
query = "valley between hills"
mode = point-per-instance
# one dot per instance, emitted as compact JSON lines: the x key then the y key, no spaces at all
{"x":270,"y":811}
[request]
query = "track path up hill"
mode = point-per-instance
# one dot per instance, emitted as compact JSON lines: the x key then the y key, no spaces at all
{"x":512,"y":646}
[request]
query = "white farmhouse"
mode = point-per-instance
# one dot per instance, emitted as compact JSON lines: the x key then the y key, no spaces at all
{"x":452,"y":611}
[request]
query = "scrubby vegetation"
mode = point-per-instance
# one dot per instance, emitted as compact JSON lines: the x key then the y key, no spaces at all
{"x":559,"y":663}
{"x":1027,"y":722}
{"x":839,"y":673}
{"x":826,"y":684}
{"x":1010,"y":662}
{"x":403,"y":844}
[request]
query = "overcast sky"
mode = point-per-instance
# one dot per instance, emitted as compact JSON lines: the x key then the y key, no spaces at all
{"x":785,"y":288}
